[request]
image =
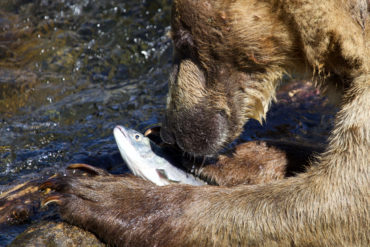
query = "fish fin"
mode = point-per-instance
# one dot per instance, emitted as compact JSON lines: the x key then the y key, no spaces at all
{"x":162,"y":174}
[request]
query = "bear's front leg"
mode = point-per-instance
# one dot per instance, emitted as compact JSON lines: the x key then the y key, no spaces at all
{"x":258,"y":162}
{"x":121,"y":210}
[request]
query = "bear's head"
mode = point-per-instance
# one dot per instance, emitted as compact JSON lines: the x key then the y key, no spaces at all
{"x":226,"y":66}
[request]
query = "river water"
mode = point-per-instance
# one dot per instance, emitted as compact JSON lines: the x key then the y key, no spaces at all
{"x":71,"y":70}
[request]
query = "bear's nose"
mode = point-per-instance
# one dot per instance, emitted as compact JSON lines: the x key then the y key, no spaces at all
{"x":167,"y":136}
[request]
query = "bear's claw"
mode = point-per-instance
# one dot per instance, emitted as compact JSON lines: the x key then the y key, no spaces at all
{"x":91,"y":170}
{"x":52,"y":198}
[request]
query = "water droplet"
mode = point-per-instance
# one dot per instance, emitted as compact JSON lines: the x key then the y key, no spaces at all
{"x":146,"y":54}
{"x":76,"y":10}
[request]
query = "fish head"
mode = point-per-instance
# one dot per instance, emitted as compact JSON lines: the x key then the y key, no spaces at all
{"x":128,"y":137}
{"x":136,"y":150}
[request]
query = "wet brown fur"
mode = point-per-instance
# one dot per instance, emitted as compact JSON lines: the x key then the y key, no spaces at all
{"x":251,"y":163}
{"x":243,"y":48}
{"x":117,"y":208}
{"x":234,"y":54}
{"x":258,"y":162}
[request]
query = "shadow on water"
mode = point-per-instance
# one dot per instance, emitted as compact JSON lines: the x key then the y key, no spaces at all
{"x":70,"y":70}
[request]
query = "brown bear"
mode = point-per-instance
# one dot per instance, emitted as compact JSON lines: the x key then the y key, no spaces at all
{"x":229,"y":56}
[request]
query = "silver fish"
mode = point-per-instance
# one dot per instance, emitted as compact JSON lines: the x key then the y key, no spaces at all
{"x":141,"y":156}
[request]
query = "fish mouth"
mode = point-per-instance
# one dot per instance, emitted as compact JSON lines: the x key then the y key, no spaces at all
{"x":122,"y":139}
{"x":121,"y":129}
{"x":124,"y":144}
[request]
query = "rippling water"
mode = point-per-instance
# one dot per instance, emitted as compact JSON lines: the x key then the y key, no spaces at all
{"x":70,"y":70}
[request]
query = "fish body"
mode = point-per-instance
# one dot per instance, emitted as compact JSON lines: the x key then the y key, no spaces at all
{"x":143,"y":159}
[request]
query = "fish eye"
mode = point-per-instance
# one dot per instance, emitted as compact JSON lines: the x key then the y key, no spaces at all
{"x":137,"y":137}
